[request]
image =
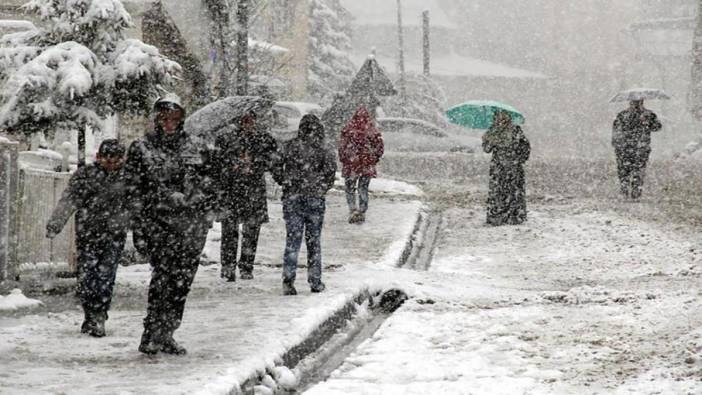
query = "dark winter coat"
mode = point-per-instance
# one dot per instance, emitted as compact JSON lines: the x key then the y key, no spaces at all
{"x":361,"y":146}
{"x":98,"y":199}
{"x":168,"y":185}
{"x":306,"y":165}
{"x":631,"y":132}
{"x":507,"y":196}
{"x":241,"y":162}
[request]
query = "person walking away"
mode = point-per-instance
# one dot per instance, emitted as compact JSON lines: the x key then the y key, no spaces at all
{"x":96,"y":194}
{"x":631,"y":138}
{"x":360,"y":149}
{"x":243,"y":158}
{"x":510,"y":149}
{"x":306,"y":171}
{"x":166,"y":182}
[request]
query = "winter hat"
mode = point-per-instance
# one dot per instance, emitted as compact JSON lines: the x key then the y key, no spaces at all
{"x":311,"y":128}
{"x":111,"y":148}
{"x":169,"y":101}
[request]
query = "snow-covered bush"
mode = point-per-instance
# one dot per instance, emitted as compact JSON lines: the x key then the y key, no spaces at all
{"x":77,"y":69}
{"x":425,"y":100}
{"x":330,"y":67}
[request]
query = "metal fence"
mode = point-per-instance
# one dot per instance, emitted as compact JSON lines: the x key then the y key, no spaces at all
{"x":27,"y":198}
{"x":40,"y":190}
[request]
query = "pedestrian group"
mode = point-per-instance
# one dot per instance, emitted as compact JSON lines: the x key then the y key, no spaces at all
{"x":169,"y":189}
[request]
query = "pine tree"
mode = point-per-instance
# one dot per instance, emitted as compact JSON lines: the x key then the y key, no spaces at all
{"x":330,"y":67}
{"x":77,"y":69}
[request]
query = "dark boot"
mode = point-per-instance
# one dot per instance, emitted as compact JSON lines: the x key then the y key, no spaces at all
{"x":228,"y":273}
{"x":289,"y":288}
{"x":94,"y":324}
{"x":170,"y":346}
{"x":98,"y":327}
{"x":149,"y":343}
{"x":318,"y":287}
{"x":246,"y":275}
{"x":361,"y":217}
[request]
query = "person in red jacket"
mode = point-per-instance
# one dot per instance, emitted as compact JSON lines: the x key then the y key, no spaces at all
{"x":360,"y":148}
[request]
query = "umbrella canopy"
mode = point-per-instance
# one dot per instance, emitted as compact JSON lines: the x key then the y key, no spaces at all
{"x":221,"y":116}
{"x":478,"y":114}
{"x":640,"y":94}
{"x":370,"y":82}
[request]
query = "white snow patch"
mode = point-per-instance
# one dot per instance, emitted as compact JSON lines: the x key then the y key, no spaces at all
{"x":16,"y":300}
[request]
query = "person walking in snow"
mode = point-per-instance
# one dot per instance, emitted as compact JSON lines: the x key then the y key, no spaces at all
{"x":510,"y":150}
{"x":242,"y":159}
{"x":96,"y":194}
{"x":360,"y":149}
{"x":631,"y":138}
{"x":166,"y":182}
{"x":306,"y":171}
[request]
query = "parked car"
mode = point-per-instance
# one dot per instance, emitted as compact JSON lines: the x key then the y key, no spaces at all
{"x":287,"y":116}
{"x":416,"y":135}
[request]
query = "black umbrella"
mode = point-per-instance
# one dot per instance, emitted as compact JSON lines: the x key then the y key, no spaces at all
{"x":222,"y":116}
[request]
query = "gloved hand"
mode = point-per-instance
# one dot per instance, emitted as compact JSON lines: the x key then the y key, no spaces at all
{"x":177,"y":200}
{"x":51,"y":233}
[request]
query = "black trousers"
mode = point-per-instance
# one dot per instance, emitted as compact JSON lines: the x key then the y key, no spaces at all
{"x":250,"y":230}
{"x":175,"y":257}
{"x":631,"y":169}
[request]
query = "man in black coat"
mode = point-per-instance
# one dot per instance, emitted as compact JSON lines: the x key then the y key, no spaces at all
{"x":96,"y":194}
{"x":242,"y":158}
{"x":631,"y":138}
{"x":306,"y":171}
{"x":166,"y":173}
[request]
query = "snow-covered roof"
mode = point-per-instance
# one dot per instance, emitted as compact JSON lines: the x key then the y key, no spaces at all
{"x":454,"y":65}
{"x":16,"y":24}
{"x":267,"y":47}
{"x":686,"y":23}
{"x":381,"y":13}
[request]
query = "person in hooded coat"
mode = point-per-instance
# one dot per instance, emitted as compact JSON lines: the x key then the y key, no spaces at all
{"x":360,"y":149}
{"x":242,"y":159}
{"x":631,"y":138}
{"x":168,"y":188}
{"x":96,"y":194}
{"x":306,"y":171}
{"x":510,"y":150}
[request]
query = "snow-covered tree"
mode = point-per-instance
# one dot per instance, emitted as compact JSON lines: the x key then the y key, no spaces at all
{"x":330,"y":67}
{"x":77,"y":68}
{"x":424,"y":100}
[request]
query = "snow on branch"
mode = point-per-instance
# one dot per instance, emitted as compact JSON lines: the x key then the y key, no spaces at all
{"x":77,"y":68}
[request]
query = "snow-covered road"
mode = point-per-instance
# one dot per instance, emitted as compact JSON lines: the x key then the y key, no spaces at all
{"x":575,"y":301}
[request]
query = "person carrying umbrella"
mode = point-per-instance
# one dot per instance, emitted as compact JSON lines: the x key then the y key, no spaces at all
{"x":171,"y":195}
{"x":242,"y":157}
{"x":360,"y":148}
{"x":510,"y":149}
{"x":631,"y":139}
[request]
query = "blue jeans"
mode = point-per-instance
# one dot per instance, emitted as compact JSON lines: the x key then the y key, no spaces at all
{"x":97,"y":269}
{"x":361,"y":184}
{"x":303,"y":214}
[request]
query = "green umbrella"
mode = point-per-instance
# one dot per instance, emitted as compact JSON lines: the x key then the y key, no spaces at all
{"x":478,"y":114}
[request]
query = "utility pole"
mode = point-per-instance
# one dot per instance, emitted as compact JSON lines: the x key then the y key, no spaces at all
{"x":401,"y":60}
{"x":242,"y":47}
{"x":695,"y":96}
{"x":426,"y":43}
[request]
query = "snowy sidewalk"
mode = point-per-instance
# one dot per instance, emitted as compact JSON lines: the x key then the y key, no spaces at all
{"x":233,"y":331}
{"x":575,"y":301}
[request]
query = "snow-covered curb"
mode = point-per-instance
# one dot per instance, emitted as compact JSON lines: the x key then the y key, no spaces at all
{"x":319,"y":325}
